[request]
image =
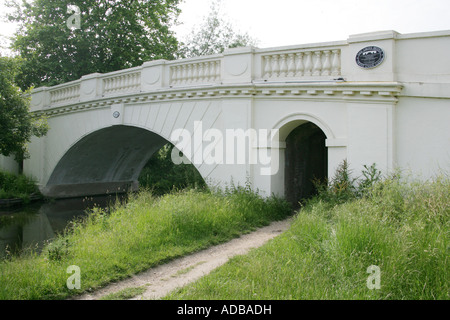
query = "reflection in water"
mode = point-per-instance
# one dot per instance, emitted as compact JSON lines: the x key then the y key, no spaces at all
{"x":33,"y":225}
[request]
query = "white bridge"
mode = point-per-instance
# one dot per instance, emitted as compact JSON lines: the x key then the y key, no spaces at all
{"x":324,"y":106}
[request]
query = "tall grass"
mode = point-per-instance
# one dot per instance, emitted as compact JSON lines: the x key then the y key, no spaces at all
{"x":145,"y":232}
{"x":398,"y":225}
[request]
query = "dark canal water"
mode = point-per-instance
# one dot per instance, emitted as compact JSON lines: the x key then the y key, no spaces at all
{"x":31,"y":226}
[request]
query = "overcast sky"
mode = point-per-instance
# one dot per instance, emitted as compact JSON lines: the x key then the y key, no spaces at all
{"x":290,"y":22}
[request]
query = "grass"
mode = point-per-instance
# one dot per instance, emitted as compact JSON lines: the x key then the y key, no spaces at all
{"x":402,"y":227}
{"x":16,"y":186}
{"x":125,"y":294}
{"x":147,"y":231}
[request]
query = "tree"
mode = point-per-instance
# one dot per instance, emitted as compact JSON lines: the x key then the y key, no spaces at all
{"x":17,"y":125}
{"x":214,"y":35}
{"x":62,"y":40}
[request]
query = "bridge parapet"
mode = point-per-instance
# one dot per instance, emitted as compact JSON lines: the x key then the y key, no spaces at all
{"x":299,"y":65}
{"x":234,"y":66}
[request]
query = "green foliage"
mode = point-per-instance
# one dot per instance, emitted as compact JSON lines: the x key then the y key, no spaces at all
{"x":343,"y":187}
{"x":161,"y":175}
{"x":57,"y":249}
{"x":113,"y":35}
{"x":16,"y":123}
{"x":16,"y":186}
{"x":213,"y":35}
{"x":132,"y":237}
{"x":403,"y":227}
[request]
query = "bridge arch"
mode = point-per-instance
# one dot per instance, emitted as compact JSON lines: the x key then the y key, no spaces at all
{"x":106,"y":160}
{"x":303,"y":155}
{"x":293,"y":120}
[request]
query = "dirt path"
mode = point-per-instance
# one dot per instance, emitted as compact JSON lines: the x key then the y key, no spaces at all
{"x":165,"y":278}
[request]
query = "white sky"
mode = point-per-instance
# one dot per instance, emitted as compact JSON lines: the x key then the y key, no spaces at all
{"x":290,"y":22}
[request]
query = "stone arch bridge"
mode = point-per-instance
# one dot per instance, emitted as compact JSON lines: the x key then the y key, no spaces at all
{"x":323,"y":102}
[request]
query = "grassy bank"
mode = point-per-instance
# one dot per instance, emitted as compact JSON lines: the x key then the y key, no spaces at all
{"x":16,"y":186}
{"x":401,"y":227}
{"x":131,"y":238}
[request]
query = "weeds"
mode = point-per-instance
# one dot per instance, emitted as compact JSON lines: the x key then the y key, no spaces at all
{"x":400,"y":225}
{"x":132,"y":237}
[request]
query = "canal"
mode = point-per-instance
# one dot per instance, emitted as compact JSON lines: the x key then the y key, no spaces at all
{"x":33,"y":225}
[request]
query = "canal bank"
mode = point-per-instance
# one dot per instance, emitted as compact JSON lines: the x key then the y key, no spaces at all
{"x":30,"y":226}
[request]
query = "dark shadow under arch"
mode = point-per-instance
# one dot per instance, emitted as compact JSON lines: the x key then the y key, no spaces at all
{"x":306,"y":159}
{"x":106,"y":161}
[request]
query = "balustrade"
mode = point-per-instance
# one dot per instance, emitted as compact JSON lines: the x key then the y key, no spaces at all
{"x":197,"y":72}
{"x":65,"y":94}
{"x":122,"y":83}
{"x":302,"y":64}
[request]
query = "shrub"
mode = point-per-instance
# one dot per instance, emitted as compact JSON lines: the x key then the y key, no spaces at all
{"x":16,"y":186}
{"x":161,"y":175}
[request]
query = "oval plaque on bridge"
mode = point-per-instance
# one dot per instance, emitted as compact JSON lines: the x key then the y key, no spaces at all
{"x":370,"y":57}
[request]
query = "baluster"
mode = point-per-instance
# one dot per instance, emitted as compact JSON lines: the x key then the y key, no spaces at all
{"x":299,"y":67}
{"x":129,"y":81}
{"x":275,"y":66}
{"x":214,"y":71}
{"x":123,"y":83}
{"x":200,"y":72}
{"x":126,"y":82}
{"x":291,"y":65}
{"x":326,"y":68}
{"x":318,"y":64}
{"x":174,"y":76}
{"x":137,"y":80}
{"x":105,"y":86}
{"x":133,"y":81}
{"x":190,"y":73}
{"x":109,"y":84}
{"x":171,"y":75}
{"x":217,"y":71}
{"x":283,"y":66}
{"x":113,"y":84}
{"x":179,"y":74}
{"x":308,"y":63}
{"x":336,"y":63}
{"x":207,"y":71}
{"x":183,"y":74}
{"x":267,"y":67}
{"x":117,"y":83}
